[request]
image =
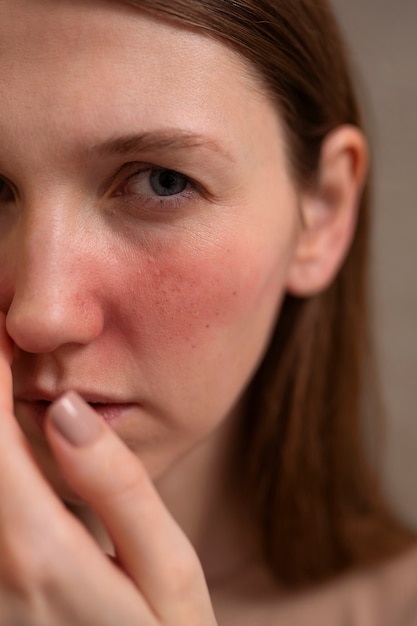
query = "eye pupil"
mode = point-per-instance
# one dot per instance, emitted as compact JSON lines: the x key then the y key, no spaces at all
{"x":167,"y":182}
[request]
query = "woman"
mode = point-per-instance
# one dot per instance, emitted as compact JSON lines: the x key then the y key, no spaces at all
{"x":183,"y":232}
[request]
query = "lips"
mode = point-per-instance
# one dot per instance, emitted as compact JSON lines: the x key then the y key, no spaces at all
{"x":35,"y":406}
{"x":110,"y":412}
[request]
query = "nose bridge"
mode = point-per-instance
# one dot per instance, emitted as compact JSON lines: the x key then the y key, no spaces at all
{"x":44,"y":251}
{"x":52,"y":300}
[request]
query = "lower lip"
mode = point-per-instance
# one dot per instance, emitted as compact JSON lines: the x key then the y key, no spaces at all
{"x":110,"y":413}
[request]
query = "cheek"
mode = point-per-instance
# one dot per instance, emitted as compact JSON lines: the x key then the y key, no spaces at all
{"x":191,"y":297}
{"x":177,"y":296}
{"x":184,"y":298}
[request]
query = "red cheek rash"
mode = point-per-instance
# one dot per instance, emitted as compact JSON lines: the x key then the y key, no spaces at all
{"x":183,"y":296}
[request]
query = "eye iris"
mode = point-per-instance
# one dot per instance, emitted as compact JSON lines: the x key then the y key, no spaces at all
{"x":167,"y":182}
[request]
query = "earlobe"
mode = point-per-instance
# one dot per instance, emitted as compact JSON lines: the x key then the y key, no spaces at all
{"x":329,"y":212}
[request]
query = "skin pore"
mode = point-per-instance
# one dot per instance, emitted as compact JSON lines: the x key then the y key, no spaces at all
{"x":161,"y":303}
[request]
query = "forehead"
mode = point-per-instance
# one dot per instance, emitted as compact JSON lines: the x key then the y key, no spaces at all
{"x":109,"y":61}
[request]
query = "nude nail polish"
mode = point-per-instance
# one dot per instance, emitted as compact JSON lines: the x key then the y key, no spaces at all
{"x":75,"y":420}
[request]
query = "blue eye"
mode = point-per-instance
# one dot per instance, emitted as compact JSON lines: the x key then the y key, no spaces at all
{"x":156,"y":181}
{"x":167,"y":182}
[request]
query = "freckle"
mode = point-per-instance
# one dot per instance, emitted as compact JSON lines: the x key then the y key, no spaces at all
{"x":207,"y":325}
{"x":235,"y":293}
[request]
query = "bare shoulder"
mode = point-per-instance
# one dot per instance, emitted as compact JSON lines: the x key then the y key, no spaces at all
{"x":384,"y":596}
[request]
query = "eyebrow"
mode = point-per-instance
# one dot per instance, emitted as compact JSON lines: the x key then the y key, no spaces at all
{"x":158,"y":141}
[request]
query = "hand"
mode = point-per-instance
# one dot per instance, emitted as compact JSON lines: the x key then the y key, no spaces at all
{"x":52,"y":573}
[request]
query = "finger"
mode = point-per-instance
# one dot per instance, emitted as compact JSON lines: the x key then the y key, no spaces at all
{"x":6,"y":355}
{"x":26,"y":500}
{"x":150,"y":546}
{"x":44,"y":549}
{"x":19,"y":474}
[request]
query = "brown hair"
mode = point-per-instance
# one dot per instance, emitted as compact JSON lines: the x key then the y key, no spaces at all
{"x":309,"y":484}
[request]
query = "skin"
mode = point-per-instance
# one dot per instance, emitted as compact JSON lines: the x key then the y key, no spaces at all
{"x":175,"y":296}
{"x":163,"y":305}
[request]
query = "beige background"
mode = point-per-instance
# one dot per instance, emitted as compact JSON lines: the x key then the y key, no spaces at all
{"x":383,"y":40}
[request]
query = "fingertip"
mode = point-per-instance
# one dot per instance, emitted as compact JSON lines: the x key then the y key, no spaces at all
{"x":75,"y":420}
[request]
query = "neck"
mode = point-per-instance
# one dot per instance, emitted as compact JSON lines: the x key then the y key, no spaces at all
{"x":201,"y":493}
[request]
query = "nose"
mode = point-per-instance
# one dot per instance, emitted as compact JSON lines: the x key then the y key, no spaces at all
{"x":52,"y":296}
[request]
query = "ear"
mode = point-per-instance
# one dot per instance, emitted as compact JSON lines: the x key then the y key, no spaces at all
{"x":329,"y":212}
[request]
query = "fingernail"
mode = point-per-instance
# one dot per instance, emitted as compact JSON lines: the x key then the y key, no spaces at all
{"x":75,"y":420}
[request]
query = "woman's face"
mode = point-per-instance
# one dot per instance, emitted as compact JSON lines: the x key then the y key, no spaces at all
{"x":150,"y":292}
